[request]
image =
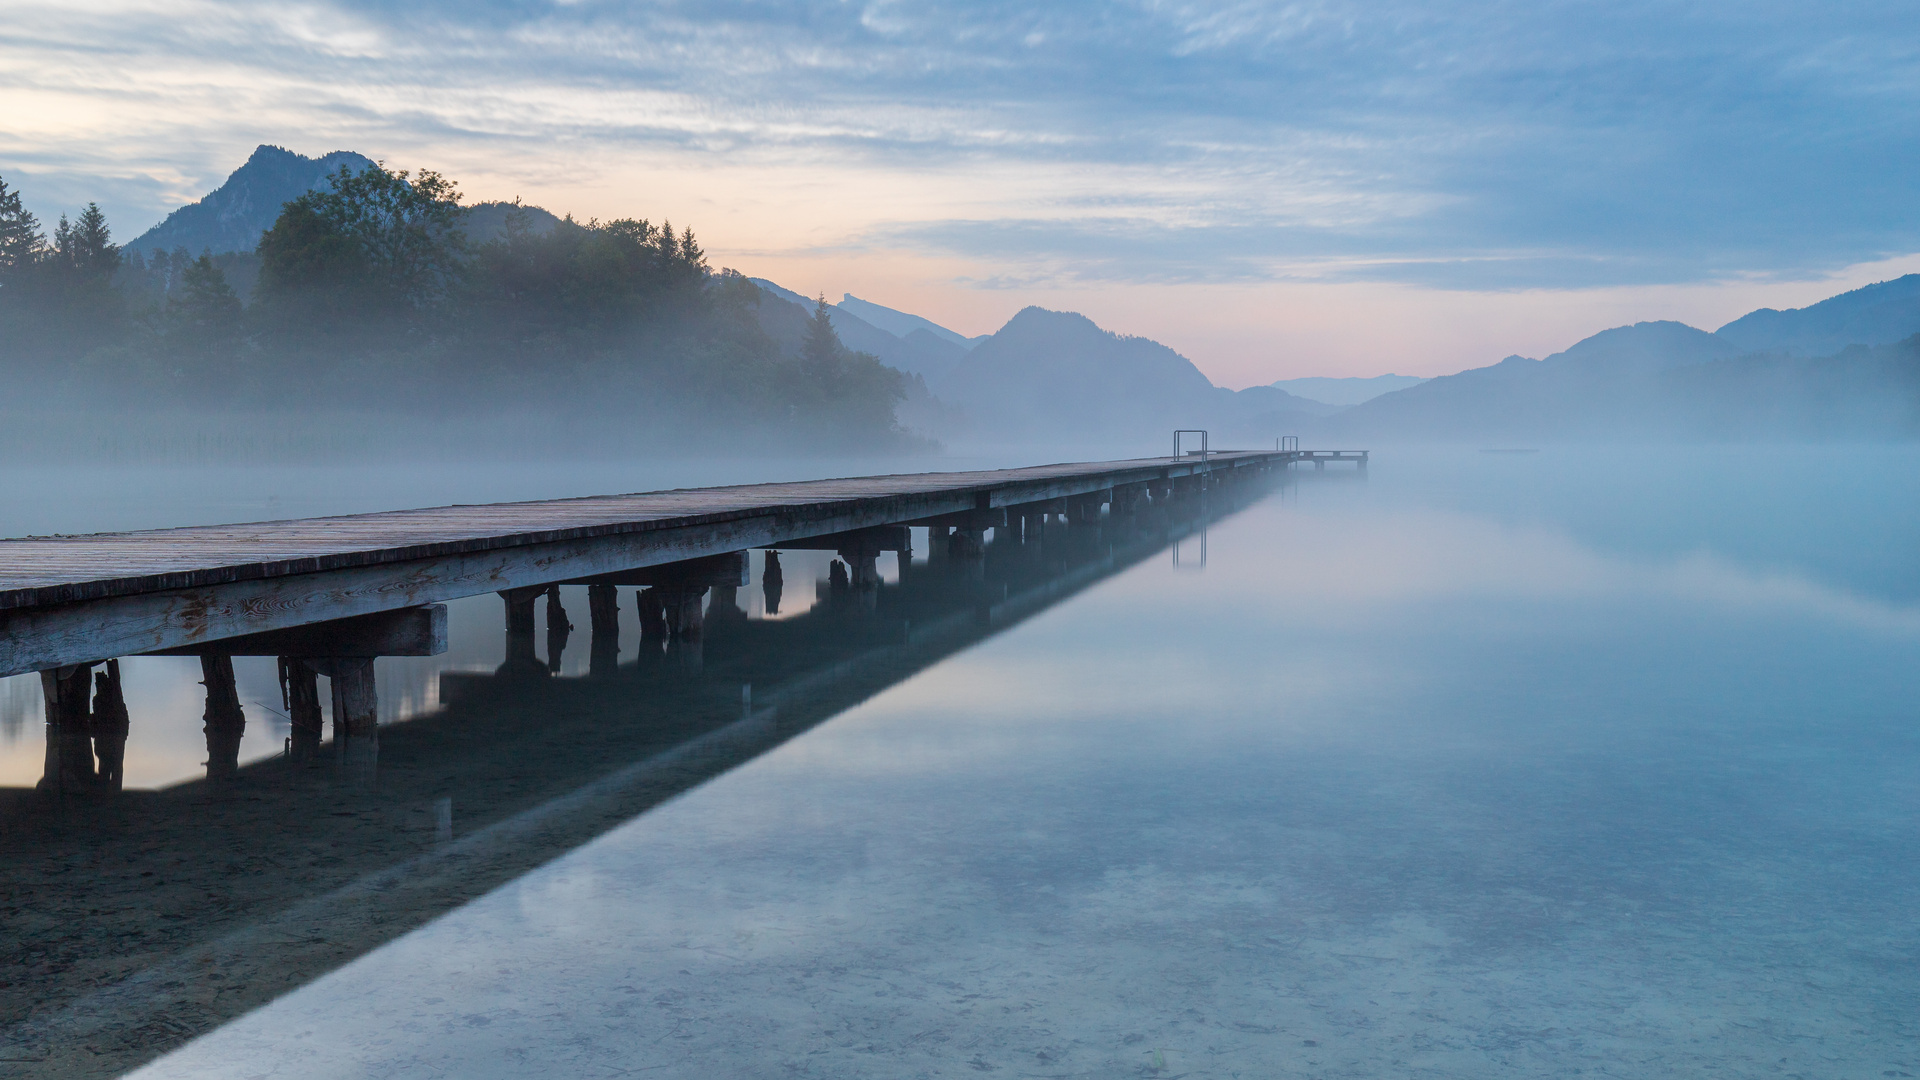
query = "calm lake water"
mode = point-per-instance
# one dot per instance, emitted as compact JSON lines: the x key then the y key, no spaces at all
{"x":1575,"y":762}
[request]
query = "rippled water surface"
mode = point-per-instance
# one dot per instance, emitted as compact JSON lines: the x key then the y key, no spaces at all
{"x":1483,"y":765}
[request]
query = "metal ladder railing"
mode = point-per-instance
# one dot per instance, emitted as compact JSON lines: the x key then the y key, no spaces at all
{"x":1190,"y":431}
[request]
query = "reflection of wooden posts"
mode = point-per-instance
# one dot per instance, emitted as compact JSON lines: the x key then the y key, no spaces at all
{"x":603,"y":617}
{"x":300,"y":693}
{"x":685,"y":623}
{"x":69,"y":760}
{"x":967,"y":544}
{"x":520,"y":658}
{"x":225,"y":720}
{"x":772,"y":582}
{"x":723,"y":608}
{"x":110,"y":724}
{"x":863,"y":573}
{"x":967,"y":553}
{"x":559,"y":629}
{"x":653,"y":615}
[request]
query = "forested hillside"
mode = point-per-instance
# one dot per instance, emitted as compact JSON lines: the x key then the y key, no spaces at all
{"x":375,"y":293}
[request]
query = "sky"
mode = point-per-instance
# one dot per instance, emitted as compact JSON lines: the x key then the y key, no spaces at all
{"x":1274,"y":189}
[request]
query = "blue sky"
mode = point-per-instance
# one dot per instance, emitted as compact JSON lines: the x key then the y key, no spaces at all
{"x":1303,"y":188}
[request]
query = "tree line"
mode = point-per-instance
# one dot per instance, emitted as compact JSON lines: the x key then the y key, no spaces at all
{"x":372,"y":295}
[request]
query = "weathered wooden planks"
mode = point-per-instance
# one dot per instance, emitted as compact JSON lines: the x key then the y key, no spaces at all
{"x":66,"y":600}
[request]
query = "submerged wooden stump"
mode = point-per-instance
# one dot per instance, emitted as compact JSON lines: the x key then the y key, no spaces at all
{"x":68,"y":767}
{"x":225,"y":720}
{"x":110,"y":725}
{"x":300,"y":692}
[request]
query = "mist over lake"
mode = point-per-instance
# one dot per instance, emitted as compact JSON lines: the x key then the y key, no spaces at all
{"x":899,"y":540}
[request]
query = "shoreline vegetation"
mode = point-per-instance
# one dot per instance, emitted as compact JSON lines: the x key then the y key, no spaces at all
{"x":380,"y":323}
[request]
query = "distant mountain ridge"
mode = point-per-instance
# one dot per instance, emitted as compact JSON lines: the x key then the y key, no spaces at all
{"x":1346,"y":391}
{"x":1877,"y":314}
{"x":1043,"y":375}
{"x":1051,"y":373}
{"x":1663,"y":380}
{"x":233,"y":215}
{"x":901,"y":324}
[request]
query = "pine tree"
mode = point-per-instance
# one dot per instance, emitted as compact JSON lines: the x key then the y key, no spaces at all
{"x":203,"y":300}
{"x":20,"y":238}
{"x":820,"y":353}
{"x":87,"y":247}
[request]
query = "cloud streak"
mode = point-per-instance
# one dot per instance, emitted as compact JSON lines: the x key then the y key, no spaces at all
{"x":1463,"y":146}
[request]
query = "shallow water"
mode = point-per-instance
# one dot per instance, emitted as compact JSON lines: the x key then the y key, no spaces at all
{"x":1488,"y":765}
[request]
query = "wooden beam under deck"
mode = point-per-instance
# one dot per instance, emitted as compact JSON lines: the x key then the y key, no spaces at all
{"x":70,"y":600}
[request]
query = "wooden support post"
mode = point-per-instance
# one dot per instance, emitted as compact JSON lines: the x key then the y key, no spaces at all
{"x":356,"y":701}
{"x":520,"y":658}
{"x":225,"y":720}
{"x":1033,"y":525}
{"x":300,"y":693}
{"x":863,"y":578}
{"x":520,"y":608}
{"x":603,"y":616}
{"x":653,"y":615}
{"x":356,"y":716}
{"x":682,"y":606}
{"x":68,"y":767}
{"x":559,"y":629}
{"x":110,"y":725}
{"x":863,"y":569}
{"x":772,"y":582}
{"x":968,"y":553}
{"x":967,"y":544}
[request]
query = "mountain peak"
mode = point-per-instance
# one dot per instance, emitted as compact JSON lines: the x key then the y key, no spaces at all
{"x":232,"y":216}
{"x":901,"y":324}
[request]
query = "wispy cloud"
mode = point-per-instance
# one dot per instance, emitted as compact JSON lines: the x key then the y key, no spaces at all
{"x":1503,"y":145}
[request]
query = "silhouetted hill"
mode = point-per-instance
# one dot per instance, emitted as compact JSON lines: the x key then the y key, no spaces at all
{"x":1048,"y":373}
{"x":1878,"y":314}
{"x":1660,"y":380}
{"x":232,"y":216}
{"x":1646,"y":346}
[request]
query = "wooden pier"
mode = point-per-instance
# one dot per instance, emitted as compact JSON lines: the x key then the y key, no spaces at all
{"x":76,"y":600}
{"x":328,"y":596}
{"x":1320,"y":458}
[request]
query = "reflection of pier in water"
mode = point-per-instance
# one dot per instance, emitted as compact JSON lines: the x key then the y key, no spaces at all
{"x":145,"y":918}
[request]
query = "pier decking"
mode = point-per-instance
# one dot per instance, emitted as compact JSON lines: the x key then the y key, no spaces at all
{"x":71,"y":600}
